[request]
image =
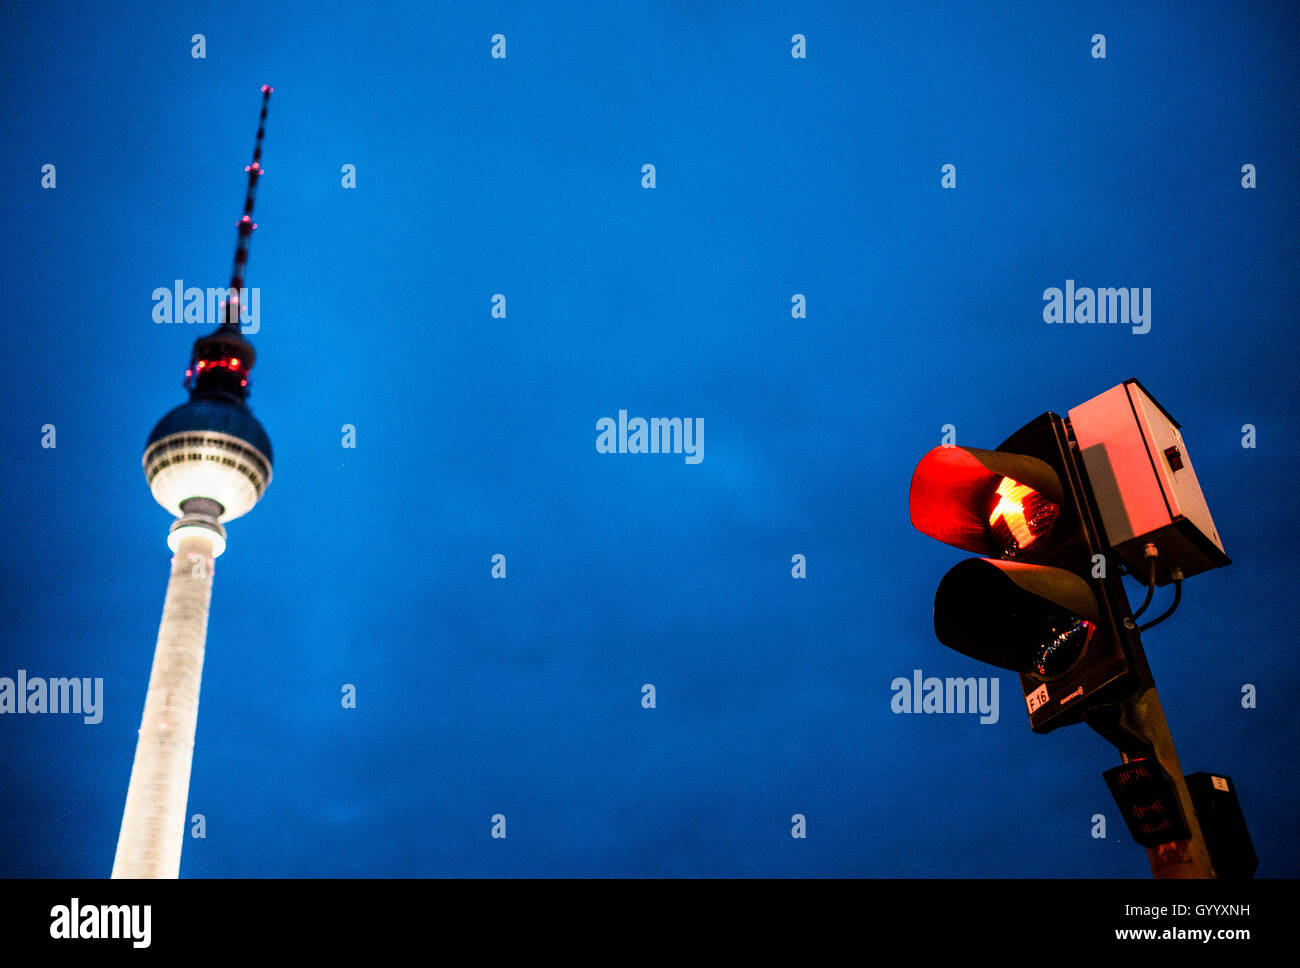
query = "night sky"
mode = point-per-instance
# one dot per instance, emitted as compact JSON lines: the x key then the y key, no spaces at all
{"x":476,"y":435}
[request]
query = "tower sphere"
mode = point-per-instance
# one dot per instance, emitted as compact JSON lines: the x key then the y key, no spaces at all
{"x":212,"y":449}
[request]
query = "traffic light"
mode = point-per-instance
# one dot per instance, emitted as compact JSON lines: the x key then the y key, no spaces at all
{"x":1148,"y":801}
{"x":1058,"y":512}
{"x":1045,"y":601}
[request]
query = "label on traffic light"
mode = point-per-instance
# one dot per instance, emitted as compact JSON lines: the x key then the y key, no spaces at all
{"x":1036,"y":699}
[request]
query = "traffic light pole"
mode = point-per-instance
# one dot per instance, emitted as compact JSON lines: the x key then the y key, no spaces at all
{"x":1138,"y":728}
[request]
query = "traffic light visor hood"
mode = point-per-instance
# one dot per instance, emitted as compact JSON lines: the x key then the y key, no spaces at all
{"x":1007,"y":613}
{"x":955,"y":489}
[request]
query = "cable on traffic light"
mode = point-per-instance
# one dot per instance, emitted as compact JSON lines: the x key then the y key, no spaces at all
{"x":1177,"y":574}
{"x":1150,"y":552}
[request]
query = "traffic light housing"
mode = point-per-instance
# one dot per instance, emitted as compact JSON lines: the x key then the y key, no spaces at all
{"x":1045,"y":601}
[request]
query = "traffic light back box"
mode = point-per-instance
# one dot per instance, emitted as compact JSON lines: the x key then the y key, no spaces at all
{"x":1144,"y":485}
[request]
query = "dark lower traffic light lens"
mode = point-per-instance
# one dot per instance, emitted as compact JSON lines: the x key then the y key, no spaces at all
{"x":1019,"y":517}
{"x":1066,"y":638}
{"x":1028,"y":618}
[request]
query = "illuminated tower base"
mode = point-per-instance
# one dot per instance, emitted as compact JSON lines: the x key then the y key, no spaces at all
{"x":153,"y":824}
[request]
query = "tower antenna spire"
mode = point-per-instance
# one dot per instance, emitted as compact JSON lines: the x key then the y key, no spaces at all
{"x":246,"y":224}
{"x":221,"y":362}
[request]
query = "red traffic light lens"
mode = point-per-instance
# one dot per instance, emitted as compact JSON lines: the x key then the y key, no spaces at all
{"x":1019,"y":517}
{"x":955,"y":497}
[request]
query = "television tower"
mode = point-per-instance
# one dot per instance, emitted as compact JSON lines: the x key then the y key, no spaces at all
{"x":208,"y":461}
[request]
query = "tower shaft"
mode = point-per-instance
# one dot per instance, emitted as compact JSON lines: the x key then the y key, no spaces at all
{"x":153,"y":824}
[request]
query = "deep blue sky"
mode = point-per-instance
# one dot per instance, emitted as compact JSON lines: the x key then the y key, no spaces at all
{"x":476,"y":436}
